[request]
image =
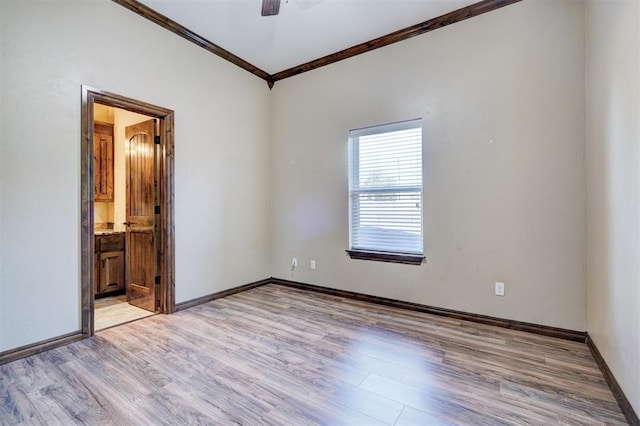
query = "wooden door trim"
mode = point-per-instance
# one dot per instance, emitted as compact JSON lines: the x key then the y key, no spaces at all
{"x":167,"y":229}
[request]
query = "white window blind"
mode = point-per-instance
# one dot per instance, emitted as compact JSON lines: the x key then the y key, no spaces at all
{"x":385,"y":187}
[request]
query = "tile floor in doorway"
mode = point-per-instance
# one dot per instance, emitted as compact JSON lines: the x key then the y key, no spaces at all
{"x":110,"y":311}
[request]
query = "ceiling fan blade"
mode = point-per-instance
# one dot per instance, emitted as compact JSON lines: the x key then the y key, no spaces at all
{"x":270,"y":7}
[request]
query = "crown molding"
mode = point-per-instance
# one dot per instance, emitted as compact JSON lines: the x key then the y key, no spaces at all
{"x":394,"y":37}
{"x":186,"y":33}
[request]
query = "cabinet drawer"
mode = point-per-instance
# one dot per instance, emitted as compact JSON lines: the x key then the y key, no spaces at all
{"x":112,"y":242}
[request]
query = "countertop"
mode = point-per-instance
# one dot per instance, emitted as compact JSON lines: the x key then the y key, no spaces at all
{"x":106,"y":232}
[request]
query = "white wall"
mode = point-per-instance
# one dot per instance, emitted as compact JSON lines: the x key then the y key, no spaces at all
{"x":613,"y":187}
{"x":1,"y":174}
{"x":49,"y":49}
{"x":502,"y":97}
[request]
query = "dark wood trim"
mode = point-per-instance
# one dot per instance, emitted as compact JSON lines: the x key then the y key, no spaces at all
{"x":87,"y":240}
{"x":87,"y":236}
{"x":123,"y":102}
{"x":397,"y":36}
{"x":577,"y":336}
{"x":36,"y":348}
{"x":270,"y":7}
{"x":167,"y":214}
{"x":561,"y":333}
{"x":407,"y":259}
{"x":213,"y":296}
{"x":616,"y":390}
{"x":184,"y":32}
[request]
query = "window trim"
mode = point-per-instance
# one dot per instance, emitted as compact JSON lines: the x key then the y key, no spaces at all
{"x":372,"y":254}
{"x":389,"y":257}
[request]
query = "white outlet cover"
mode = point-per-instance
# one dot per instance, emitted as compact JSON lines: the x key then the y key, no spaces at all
{"x":312,"y":264}
{"x":499,"y":289}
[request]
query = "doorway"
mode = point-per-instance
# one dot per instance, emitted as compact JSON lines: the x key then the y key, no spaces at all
{"x":125,"y":175}
{"x":127,"y":232}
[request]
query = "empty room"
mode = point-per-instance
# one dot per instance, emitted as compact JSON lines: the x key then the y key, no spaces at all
{"x":373,"y":212}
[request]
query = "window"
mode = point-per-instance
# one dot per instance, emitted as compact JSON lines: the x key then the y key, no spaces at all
{"x":385,"y":189}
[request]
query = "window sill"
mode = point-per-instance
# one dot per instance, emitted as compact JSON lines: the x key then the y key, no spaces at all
{"x":407,"y":259}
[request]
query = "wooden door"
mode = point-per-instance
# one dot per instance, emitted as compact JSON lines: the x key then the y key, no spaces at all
{"x":141,"y":200}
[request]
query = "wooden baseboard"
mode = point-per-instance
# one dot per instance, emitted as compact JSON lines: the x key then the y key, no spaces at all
{"x":213,"y":296}
{"x":35,"y":348}
{"x":561,"y":333}
{"x":616,"y":390}
{"x":578,"y":336}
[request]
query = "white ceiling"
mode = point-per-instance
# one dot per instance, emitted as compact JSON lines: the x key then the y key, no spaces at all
{"x":297,"y":35}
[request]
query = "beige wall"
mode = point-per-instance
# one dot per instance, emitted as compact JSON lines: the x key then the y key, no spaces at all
{"x":613,"y":187}
{"x":103,"y":113}
{"x":262,"y":175}
{"x":502,"y":98}
{"x":102,"y":213}
{"x":49,"y":49}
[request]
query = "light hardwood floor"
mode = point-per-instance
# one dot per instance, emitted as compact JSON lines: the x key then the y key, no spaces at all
{"x":276,"y":355}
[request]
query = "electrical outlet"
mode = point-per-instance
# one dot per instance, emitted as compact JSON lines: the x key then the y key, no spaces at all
{"x":499,"y":289}
{"x":312,"y":264}
{"x":294,"y":262}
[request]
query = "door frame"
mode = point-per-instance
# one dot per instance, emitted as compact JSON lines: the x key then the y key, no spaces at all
{"x":166,"y":226}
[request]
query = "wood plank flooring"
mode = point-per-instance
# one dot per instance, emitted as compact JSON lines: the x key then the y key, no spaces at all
{"x":281,"y":356}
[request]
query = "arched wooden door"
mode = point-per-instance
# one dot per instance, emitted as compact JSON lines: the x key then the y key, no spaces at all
{"x":141,"y":199}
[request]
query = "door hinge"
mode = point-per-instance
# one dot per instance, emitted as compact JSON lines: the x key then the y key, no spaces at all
{"x":156,"y":209}
{"x":156,"y":139}
{"x":157,"y":279}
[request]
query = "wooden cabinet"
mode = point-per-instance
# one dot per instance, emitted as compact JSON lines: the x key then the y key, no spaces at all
{"x":103,"y":161}
{"x":110,"y":263}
